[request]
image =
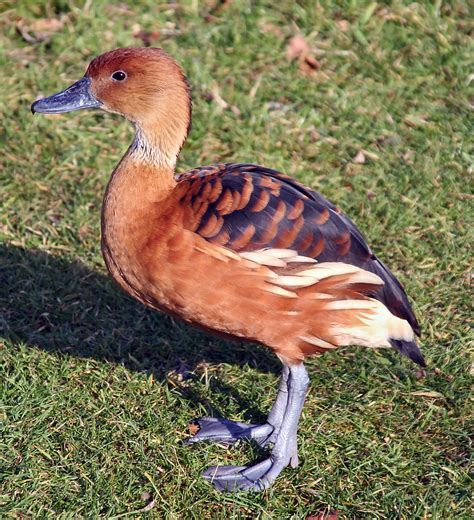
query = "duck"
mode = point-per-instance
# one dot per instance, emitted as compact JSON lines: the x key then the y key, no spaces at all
{"x":242,"y":251}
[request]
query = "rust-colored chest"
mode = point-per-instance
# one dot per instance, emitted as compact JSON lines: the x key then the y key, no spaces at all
{"x":134,"y":215}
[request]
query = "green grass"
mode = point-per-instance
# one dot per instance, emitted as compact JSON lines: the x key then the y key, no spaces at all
{"x":97,"y":391}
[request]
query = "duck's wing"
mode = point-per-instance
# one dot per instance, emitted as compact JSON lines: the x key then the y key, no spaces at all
{"x":245,"y":207}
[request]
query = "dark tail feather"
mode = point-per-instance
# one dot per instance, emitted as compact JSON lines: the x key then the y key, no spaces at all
{"x":409,"y":349}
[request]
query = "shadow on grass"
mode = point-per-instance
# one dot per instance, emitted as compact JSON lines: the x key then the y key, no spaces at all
{"x":64,"y":307}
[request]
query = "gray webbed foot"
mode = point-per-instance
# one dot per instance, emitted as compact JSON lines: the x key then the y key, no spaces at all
{"x":256,"y":477}
{"x":240,"y":478}
{"x":214,"y":429}
{"x":280,"y":429}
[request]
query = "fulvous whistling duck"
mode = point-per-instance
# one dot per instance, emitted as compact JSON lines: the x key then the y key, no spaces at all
{"x":237,"y":249}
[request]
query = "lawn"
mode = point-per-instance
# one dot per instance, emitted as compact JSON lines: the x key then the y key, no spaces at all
{"x":97,"y":391}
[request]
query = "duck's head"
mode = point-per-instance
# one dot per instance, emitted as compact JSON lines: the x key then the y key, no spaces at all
{"x":145,"y":85}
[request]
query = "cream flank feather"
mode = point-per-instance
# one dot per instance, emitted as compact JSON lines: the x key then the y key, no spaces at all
{"x":376,"y":325}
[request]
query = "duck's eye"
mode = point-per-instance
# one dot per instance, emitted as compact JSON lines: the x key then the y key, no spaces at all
{"x":119,"y":75}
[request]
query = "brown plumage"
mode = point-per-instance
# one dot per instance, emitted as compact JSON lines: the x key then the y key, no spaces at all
{"x":238,"y":249}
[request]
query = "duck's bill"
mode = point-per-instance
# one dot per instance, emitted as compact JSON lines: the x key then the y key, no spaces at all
{"x":76,"y":97}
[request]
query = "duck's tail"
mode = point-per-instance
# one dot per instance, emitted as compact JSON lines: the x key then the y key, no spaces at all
{"x":409,"y":349}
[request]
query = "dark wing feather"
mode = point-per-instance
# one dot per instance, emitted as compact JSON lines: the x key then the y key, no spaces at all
{"x":247,"y":207}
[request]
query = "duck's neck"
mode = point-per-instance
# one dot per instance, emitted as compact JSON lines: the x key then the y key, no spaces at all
{"x":144,"y":179}
{"x":161,"y":132}
{"x":145,"y":175}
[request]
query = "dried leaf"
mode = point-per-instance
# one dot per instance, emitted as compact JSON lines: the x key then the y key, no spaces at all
{"x":314,"y":134}
{"x":47,"y":25}
{"x":428,"y":393}
{"x":256,"y":86}
{"x":193,"y":428}
{"x":147,"y":37}
{"x":145,"y":496}
{"x":398,"y":63}
{"x":343,"y":25}
{"x":218,"y":99}
{"x":389,"y":16}
{"x":420,"y":374}
{"x":29,"y":38}
{"x":309,"y":65}
{"x":296,"y":48}
{"x":235,"y":110}
{"x":415,"y":121}
{"x":38,"y":30}
{"x":370,"y":155}
{"x":359,"y":158}
{"x":222,"y":103}
{"x":408,"y":157}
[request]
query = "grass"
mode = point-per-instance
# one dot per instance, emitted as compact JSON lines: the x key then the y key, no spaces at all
{"x":97,"y":391}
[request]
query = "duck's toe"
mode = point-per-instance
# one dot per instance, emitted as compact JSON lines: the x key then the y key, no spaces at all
{"x":245,"y":478}
{"x":214,"y":429}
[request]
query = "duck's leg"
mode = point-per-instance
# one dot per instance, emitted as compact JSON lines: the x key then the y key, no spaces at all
{"x":214,"y":429}
{"x":260,"y":476}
